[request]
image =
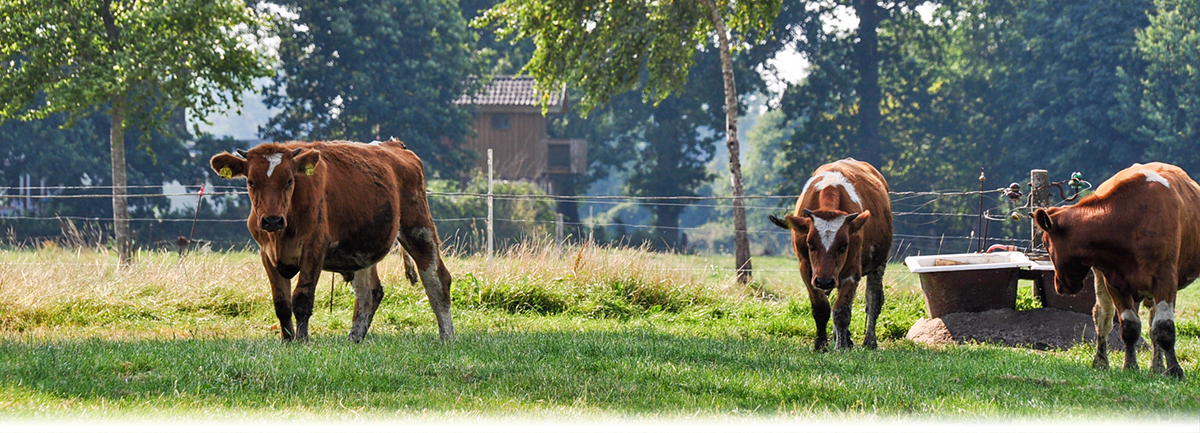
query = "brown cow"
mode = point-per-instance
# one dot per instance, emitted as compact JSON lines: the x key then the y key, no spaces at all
{"x":842,"y":229}
{"x":1140,"y":233}
{"x":338,"y":206}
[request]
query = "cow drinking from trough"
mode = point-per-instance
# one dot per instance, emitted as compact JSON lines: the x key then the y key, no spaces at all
{"x":340,"y":207}
{"x":841,"y":230}
{"x":1140,"y":234}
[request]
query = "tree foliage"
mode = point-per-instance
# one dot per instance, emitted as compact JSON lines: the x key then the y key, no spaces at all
{"x":603,"y":48}
{"x":1006,"y":85}
{"x":1170,"y":89}
{"x":159,"y":55}
{"x":143,"y":61}
{"x":369,"y":70}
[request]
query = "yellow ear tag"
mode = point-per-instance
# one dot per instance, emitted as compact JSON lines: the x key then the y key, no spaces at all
{"x":225,"y":172}
{"x":309,"y":169}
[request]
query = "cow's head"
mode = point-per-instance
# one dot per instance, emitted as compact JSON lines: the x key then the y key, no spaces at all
{"x":825,"y":239}
{"x":270,"y":171}
{"x":1069,"y":268}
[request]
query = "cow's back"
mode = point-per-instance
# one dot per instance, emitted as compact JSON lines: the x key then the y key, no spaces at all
{"x":362,"y":199}
{"x":871,"y":190}
{"x":1148,"y":198}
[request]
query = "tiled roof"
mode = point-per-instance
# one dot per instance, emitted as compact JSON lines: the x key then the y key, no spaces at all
{"x":512,"y":91}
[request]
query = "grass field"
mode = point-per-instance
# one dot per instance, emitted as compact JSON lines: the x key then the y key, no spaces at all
{"x":543,"y":334}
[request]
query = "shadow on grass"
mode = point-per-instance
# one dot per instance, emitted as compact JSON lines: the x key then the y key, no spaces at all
{"x":623,"y":373}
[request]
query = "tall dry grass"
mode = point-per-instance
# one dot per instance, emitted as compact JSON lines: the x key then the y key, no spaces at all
{"x":589,"y":264}
{"x":543,"y":277}
{"x":54,"y":287}
{"x":59,"y":287}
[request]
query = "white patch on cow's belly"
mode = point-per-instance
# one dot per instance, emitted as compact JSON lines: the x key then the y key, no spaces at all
{"x":827,"y":229}
{"x":1163,"y":312}
{"x":833,"y":178}
{"x":1152,"y":176}
{"x":274,"y":159}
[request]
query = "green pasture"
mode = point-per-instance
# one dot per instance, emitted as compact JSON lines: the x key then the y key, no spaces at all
{"x":543,"y":334}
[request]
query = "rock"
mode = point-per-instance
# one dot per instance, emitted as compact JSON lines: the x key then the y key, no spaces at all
{"x":1041,"y":328}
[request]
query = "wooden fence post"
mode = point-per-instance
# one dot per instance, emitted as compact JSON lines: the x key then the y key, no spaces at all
{"x":558,"y":229}
{"x":1039,"y":196}
{"x":490,"y":220}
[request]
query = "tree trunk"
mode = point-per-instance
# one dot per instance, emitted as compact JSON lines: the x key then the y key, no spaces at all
{"x":120,"y":204}
{"x":869,"y":95}
{"x":666,"y":222}
{"x":741,"y":243}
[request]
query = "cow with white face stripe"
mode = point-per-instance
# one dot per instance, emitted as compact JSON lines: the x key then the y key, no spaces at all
{"x":1139,"y":234}
{"x":339,"y":207}
{"x":841,"y":230}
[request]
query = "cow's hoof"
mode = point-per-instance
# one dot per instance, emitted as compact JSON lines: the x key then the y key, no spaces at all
{"x":1176,"y":372}
{"x":870,"y":344}
{"x":354,"y":338}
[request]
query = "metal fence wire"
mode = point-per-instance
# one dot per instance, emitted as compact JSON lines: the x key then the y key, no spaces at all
{"x":927,"y":222}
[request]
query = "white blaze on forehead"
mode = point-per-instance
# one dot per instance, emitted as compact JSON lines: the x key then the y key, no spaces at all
{"x":1152,"y":176}
{"x":274,"y":159}
{"x":833,"y":178}
{"x":827,"y":229}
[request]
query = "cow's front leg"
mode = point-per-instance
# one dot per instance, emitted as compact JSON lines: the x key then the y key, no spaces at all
{"x":820,"y":313}
{"x":303,"y":296}
{"x":1102,"y":316}
{"x":842,"y":311}
{"x":368,"y":292}
{"x":874,"y":305}
{"x":281,"y":293}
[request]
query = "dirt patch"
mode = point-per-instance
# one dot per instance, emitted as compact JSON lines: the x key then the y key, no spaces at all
{"x":1041,"y":328}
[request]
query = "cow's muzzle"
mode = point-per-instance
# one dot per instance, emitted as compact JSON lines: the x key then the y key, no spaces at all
{"x":825,"y":284}
{"x":1066,"y":286}
{"x":272,"y":223}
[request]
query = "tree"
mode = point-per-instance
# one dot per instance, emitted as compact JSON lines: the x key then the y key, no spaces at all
{"x":602,"y":48}
{"x":1007,"y":85}
{"x":1171,"y":86}
{"x":496,"y":56}
{"x":141,"y":61}
{"x":370,"y":70}
{"x":671,"y":161}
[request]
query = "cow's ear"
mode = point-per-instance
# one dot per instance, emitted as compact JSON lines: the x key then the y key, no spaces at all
{"x":306,"y":162}
{"x":798,"y":223}
{"x":783,"y":224}
{"x":228,"y":166}
{"x":1042,"y":217}
{"x":858,"y":220}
